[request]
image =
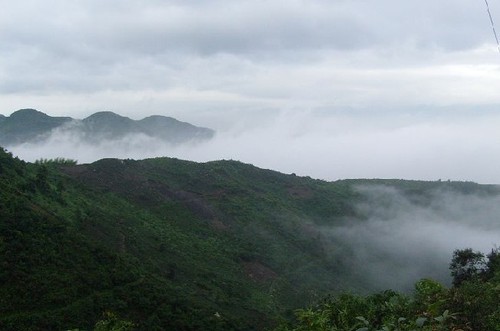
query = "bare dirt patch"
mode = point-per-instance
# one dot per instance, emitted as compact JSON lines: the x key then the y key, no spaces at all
{"x":258,"y":272}
{"x":300,"y":192}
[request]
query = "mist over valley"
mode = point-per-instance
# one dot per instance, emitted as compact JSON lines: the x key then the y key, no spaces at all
{"x":414,"y":235}
{"x":403,"y":237}
{"x":249,"y":165}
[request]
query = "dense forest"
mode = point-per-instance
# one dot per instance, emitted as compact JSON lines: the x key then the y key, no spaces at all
{"x":169,"y":244}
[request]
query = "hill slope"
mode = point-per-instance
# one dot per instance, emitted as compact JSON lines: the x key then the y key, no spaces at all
{"x":170,"y":244}
{"x":29,"y":125}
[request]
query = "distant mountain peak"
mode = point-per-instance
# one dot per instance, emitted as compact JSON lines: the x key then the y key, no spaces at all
{"x":105,"y":114}
{"x":155,"y":117}
{"x":27,"y":125}
{"x":28,"y":113}
{"x":31,"y":125}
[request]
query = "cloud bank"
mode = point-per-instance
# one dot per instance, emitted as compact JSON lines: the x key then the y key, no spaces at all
{"x":402,"y":241}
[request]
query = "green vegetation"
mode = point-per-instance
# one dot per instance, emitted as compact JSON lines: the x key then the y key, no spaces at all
{"x":58,"y":161}
{"x":473,"y":303}
{"x":169,"y":244}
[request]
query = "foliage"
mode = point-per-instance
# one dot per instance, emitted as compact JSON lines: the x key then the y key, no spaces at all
{"x":492,"y":263}
{"x":466,"y":265}
{"x":472,"y":304}
{"x":167,"y":244}
{"x":58,"y":161}
{"x":111,"y":322}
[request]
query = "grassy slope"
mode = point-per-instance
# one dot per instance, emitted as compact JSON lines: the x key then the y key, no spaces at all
{"x":165,"y":243}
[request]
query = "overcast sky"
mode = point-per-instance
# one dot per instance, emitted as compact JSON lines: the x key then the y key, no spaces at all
{"x":423,"y":74}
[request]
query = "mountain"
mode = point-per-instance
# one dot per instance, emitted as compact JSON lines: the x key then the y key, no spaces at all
{"x":168,"y":244}
{"x":108,"y":125}
{"x":29,"y":125}
{"x":170,"y":129}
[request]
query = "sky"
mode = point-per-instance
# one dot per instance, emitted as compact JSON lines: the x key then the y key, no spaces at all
{"x":331,"y":89}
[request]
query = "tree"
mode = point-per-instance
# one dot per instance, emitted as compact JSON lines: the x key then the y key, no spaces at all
{"x":41,"y":179}
{"x":466,"y":265}
{"x":493,"y":263}
{"x":111,"y":322}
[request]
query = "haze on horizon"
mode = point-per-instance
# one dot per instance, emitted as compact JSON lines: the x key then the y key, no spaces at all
{"x":329,"y":89}
{"x":321,"y":146}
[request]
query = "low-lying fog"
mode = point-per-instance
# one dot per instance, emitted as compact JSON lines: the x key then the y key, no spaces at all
{"x":402,"y":241}
{"x":323,"y":146}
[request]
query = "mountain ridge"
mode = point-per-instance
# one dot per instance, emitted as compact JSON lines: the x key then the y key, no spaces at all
{"x":27,"y":124}
{"x":30,"y":125}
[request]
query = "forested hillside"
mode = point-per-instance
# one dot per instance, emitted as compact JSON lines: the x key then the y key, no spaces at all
{"x":170,"y":244}
{"x":473,"y":303}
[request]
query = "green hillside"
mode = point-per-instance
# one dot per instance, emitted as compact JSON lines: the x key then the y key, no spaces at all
{"x":170,"y":244}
